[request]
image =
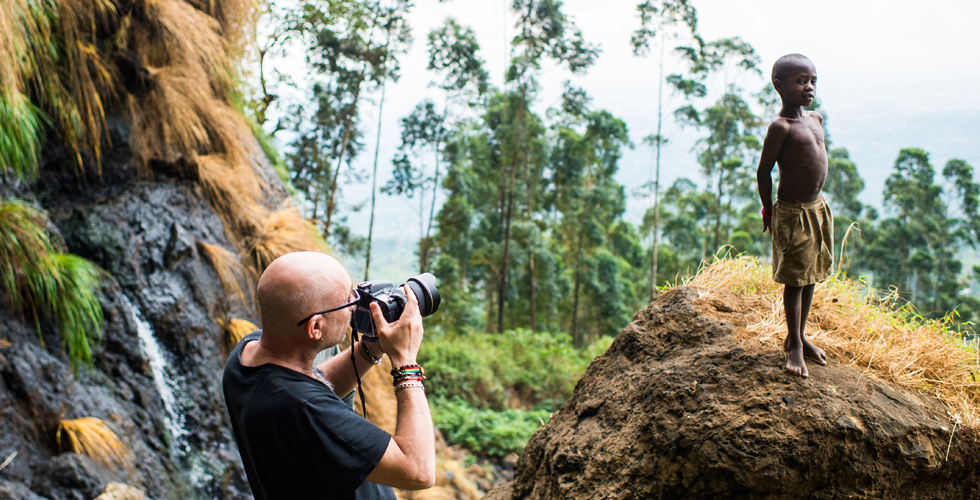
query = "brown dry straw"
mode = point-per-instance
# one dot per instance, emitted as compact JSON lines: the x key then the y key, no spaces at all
{"x":861,"y":327}
{"x":234,"y":330}
{"x":230,"y":270}
{"x":91,"y":436}
{"x":283,"y":231}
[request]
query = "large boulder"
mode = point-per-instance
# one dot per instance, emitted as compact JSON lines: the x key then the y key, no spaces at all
{"x":680,"y":408}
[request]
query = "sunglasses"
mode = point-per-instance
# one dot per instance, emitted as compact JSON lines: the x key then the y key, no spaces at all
{"x":357,"y":297}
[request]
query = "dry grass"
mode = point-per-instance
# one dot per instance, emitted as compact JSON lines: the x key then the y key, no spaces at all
{"x":860,"y":327}
{"x":174,"y":33}
{"x":281,"y":232}
{"x":183,"y":117}
{"x":93,"y":437}
{"x":234,"y":191}
{"x":230,"y":270}
{"x":234,"y":330}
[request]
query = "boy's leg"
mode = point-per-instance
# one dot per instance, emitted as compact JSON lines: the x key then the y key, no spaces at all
{"x":809,"y":350}
{"x":793,"y":304}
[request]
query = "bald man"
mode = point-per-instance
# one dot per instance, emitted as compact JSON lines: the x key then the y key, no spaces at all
{"x":297,"y":438}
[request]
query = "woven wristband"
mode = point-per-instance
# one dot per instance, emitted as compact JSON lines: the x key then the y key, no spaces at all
{"x":408,"y":385}
{"x":407,"y":368}
{"x":765,"y":214}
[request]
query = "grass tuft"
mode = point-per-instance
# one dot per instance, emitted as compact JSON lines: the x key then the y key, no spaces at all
{"x":93,"y":437}
{"x":20,"y":125}
{"x":23,"y":240}
{"x":42,"y":281}
{"x":234,"y":330}
{"x":233,"y":189}
{"x":861,"y":327}
{"x":281,"y":232}
{"x":230,"y":270}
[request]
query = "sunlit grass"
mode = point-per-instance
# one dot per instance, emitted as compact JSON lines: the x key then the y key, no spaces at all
{"x":861,"y":327}
{"x":93,"y":437}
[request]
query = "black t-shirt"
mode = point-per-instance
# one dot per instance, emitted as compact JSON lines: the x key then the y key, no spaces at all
{"x":298,"y":440}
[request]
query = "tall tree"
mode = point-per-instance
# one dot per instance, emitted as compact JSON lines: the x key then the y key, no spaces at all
{"x":589,"y":202}
{"x":454,"y":55}
{"x":657,"y":21}
{"x":397,"y":42}
{"x":544,"y":31}
{"x":350,"y":48}
{"x":729,"y":122}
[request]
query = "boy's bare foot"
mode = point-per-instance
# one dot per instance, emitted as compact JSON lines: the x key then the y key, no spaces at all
{"x":795,"y":364}
{"x":810,"y":351}
{"x":815,"y":353}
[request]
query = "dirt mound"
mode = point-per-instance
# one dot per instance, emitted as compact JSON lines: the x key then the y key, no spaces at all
{"x":678,"y":407}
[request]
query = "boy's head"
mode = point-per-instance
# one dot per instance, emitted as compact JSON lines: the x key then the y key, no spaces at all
{"x":795,"y":77}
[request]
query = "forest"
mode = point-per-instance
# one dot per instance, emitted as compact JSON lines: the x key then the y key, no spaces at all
{"x":519,"y":210}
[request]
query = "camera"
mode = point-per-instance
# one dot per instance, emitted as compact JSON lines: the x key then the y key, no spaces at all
{"x":392,"y":301}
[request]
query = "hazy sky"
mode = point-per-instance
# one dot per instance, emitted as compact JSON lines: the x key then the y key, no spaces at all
{"x":892,"y":74}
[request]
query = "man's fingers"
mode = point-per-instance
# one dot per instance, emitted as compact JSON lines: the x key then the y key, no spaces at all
{"x":379,"y":319}
{"x":413,"y":302}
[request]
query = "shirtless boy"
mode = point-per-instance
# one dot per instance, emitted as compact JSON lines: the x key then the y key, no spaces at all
{"x":800,"y":221}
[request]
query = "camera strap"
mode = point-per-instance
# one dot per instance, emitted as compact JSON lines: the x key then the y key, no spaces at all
{"x":353,"y":360}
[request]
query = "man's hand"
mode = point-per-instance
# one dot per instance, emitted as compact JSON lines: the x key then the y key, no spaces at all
{"x":401,"y":339}
{"x":767,"y":224}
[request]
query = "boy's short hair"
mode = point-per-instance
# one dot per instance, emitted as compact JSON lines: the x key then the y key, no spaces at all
{"x":786,"y":62}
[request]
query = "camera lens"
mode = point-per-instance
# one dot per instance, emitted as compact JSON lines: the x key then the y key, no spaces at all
{"x":424,"y":286}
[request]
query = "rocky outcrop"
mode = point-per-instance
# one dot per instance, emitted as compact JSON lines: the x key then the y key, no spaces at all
{"x":680,"y":408}
{"x":143,"y":230}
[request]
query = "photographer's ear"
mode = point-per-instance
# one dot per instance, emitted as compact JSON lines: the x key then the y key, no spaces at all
{"x":312,"y":328}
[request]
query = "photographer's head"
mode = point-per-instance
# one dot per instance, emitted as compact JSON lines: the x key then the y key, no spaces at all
{"x":297,"y":285}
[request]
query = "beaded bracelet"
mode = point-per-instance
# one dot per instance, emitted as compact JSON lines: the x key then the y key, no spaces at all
{"x":368,"y":355}
{"x":407,"y":385}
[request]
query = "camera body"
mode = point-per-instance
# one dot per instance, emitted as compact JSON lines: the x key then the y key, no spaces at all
{"x":392,"y":301}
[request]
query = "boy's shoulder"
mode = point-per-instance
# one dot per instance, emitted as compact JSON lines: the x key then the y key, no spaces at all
{"x":782,"y":123}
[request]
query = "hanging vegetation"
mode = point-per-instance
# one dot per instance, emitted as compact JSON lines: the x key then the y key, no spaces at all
{"x":40,"y":280}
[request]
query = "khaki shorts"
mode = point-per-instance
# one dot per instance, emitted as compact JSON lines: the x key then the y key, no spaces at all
{"x":802,"y":242}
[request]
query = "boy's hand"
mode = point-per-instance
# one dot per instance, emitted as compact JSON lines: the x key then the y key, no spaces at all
{"x":767,"y":224}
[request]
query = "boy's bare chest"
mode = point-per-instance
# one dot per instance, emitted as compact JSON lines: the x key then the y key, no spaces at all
{"x":805,"y":134}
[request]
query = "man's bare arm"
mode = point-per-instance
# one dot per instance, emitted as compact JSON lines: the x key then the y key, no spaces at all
{"x":340,"y":373}
{"x":771,"y":147}
{"x":410,"y":461}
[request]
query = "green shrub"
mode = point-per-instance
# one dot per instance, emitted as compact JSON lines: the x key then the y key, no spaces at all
{"x":513,"y":369}
{"x":488,"y":432}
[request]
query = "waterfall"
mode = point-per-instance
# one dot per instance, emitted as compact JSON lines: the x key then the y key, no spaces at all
{"x":164,"y":379}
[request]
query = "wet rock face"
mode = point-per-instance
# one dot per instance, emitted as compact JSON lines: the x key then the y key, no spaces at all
{"x":678,"y":408}
{"x":144,"y":233}
{"x":71,"y":477}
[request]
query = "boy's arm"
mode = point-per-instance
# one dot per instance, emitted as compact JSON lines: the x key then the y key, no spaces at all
{"x":770,"y":152}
